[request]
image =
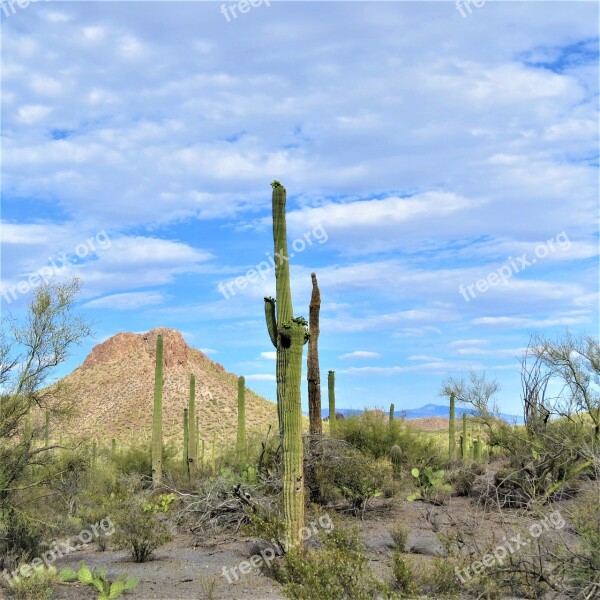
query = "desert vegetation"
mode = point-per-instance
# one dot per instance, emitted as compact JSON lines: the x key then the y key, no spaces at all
{"x":367,"y":506}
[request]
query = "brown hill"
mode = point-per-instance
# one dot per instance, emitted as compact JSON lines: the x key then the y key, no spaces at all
{"x":115,"y":389}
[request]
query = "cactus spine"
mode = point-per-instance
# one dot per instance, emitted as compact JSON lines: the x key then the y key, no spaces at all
{"x":452,"y":427}
{"x":157,"y":415}
{"x":241,"y":429}
{"x":288,"y":335}
{"x":312,"y":363}
{"x":193,"y":443}
{"x":186,"y":443}
{"x":391,"y":412}
{"x":331,"y":391}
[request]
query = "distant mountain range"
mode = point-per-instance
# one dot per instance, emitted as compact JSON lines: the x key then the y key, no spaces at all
{"x":429,"y":410}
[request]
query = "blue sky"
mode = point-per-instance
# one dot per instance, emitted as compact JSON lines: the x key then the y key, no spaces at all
{"x":421,"y":151}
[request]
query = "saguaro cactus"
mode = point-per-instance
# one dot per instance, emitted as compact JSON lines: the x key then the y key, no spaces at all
{"x":396,"y":456}
{"x":198,"y":440}
{"x":464,"y":444}
{"x":157,"y":414}
{"x":313,"y":370}
{"x":241,"y":429}
{"x":186,"y":443}
{"x":452,"y":427}
{"x":288,"y":335}
{"x":193,"y":444}
{"x":391,"y":412}
{"x":331,"y":392}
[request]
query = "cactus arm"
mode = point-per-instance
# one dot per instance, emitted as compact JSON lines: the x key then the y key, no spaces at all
{"x":271,"y":319}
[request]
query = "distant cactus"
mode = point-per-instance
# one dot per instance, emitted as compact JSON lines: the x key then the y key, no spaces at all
{"x":157,"y":415}
{"x":193,"y":444}
{"x":313,"y":369}
{"x":464,"y":442}
{"x":331,"y":393}
{"x":396,"y":456}
{"x":452,"y":427}
{"x":391,"y":412}
{"x":477,"y":450}
{"x":241,"y":428}
{"x":186,"y":443}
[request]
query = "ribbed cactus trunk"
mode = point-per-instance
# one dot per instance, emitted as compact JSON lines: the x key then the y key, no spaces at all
{"x":464,"y":445}
{"x":331,"y":392}
{"x":288,"y":335}
{"x":157,"y":414}
{"x":313,"y":369}
{"x":193,"y":443}
{"x":452,"y":428}
{"x":186,"y":443}
{"x":293,"y":475}
{"x":391,"y":412}
{"x":198,"y":440}
{"x":202,"y":454}
{"x":241,"y":428}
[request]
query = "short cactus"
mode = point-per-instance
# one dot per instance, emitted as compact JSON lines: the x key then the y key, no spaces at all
{"x":391,"y":412}
{"x":396,"y":456}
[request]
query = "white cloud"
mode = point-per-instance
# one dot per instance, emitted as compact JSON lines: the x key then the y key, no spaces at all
{"x":261,"y":377}
{"x":127,"y":301}
{"x":269,"y":355}
{"x":360,"y":354}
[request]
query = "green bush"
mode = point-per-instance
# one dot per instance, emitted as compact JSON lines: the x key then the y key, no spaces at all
{"x":403,"y":578}
{"x":339,"y":570}
{"x":431,"y":484}
{"x":399,"y":535}
{"x":38,"y":586}
{"x":373,"y":434}
{"x":139,"y":528}
{"x":355,"y":477}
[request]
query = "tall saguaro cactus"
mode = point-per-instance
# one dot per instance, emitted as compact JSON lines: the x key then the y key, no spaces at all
{"x":241,"y":430}
{"x":313,"y":370}
{"x":186,"y":443}
{"x":193,"y":444}
{"x":452,"y":427}
{"x":157,"y":414}
{"x":288,"y":335}
{"x":331,"y":392}
{"x":392,"y":407}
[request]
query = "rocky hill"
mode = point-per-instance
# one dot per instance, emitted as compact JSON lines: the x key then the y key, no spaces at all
{"x":114,"y":388}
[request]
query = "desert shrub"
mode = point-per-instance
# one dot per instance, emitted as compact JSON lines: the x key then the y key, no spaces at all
{"x":373,"y":434}
{"x":462,"y":481}
{"x":140,"y":527}
{"x":38,"y":586}
{"x":138,"y":459}
{"x":355,"y":477}
{"x":403,"y":578}
{"x":338,"y":570}
{"x":399,"y":535}
{"x":443,"y":578}
{"x":21,"y":538}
